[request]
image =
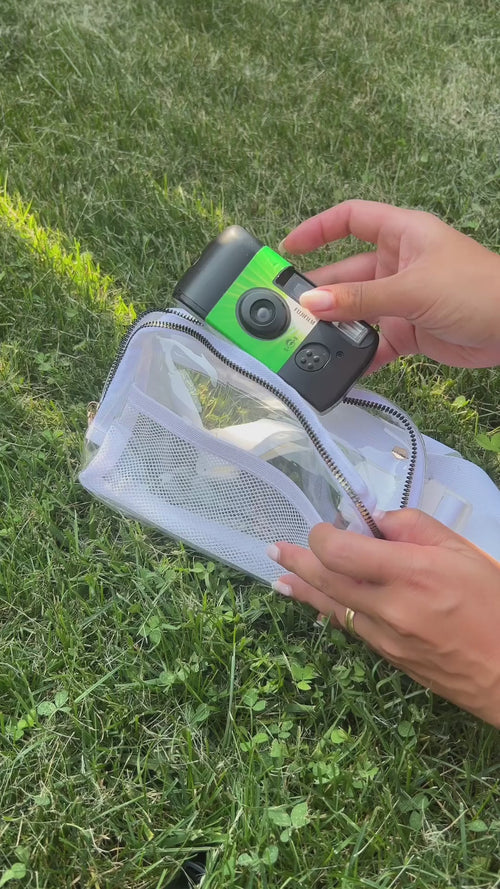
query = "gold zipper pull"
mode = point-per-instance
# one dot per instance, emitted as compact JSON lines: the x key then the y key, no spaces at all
{"x":92,"y":409}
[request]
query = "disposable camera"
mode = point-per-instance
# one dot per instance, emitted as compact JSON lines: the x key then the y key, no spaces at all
{"x":250,"y":294}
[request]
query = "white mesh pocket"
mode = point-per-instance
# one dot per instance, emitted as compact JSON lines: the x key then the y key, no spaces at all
{"x":226,"y":503}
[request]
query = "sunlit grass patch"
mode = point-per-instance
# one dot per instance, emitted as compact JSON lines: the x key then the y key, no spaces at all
{"x":66,"y":261}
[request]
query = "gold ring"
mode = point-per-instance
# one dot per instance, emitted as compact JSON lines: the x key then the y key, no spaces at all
{"x":349,"y":621}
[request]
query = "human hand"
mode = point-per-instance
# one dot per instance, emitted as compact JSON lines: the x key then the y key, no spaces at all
{"x":424,"y":598}
{"x":431,"y":289}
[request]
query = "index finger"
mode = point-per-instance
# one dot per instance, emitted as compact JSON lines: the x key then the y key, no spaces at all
{"x":363,"y":219}
{"x":327,"y":586}
{"x":368,"y":559}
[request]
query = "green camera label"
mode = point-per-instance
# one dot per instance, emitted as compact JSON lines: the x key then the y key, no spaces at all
{"x":261,"y":271}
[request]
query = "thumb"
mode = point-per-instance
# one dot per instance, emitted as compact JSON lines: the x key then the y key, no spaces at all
{"x":391,"y":296}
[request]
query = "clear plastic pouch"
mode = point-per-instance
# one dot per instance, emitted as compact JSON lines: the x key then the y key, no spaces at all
{"x":202,"y":442}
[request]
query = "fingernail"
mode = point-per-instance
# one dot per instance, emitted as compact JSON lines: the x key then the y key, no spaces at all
{"x":273,"y":552}
{"x":317,"y":300}
{"x":281,"y":246}
{"x":378,"y":514}
{"x":282,"y":588}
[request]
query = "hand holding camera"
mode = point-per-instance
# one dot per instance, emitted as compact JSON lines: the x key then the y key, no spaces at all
{"x":431,"y":289}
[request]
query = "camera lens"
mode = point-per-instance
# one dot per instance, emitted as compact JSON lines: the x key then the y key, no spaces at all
{"x":263,"y":313}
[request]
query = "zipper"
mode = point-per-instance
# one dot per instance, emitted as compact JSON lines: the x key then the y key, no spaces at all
{"x":129,"y":334}
{"x":404,"y":421}
{"x":388,"y":409}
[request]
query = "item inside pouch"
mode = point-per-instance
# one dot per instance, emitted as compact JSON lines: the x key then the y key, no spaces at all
{"x":239,"y":411}
{"x":287,"y":447}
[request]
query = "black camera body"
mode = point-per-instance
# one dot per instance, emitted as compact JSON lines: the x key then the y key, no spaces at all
{"x":250,"y":294}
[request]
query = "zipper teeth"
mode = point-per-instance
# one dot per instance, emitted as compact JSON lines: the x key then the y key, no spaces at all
{"x":182,"y":328}
{"x":404,"y":421}
{"x":129,"y":334}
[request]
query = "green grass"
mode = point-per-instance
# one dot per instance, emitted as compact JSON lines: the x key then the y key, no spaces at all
{"x":154,"y":706}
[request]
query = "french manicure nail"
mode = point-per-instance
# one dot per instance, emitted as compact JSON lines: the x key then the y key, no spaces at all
{"x":317,"y":300}
{"x":273,"y":552}
{"x":282,"y":588}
